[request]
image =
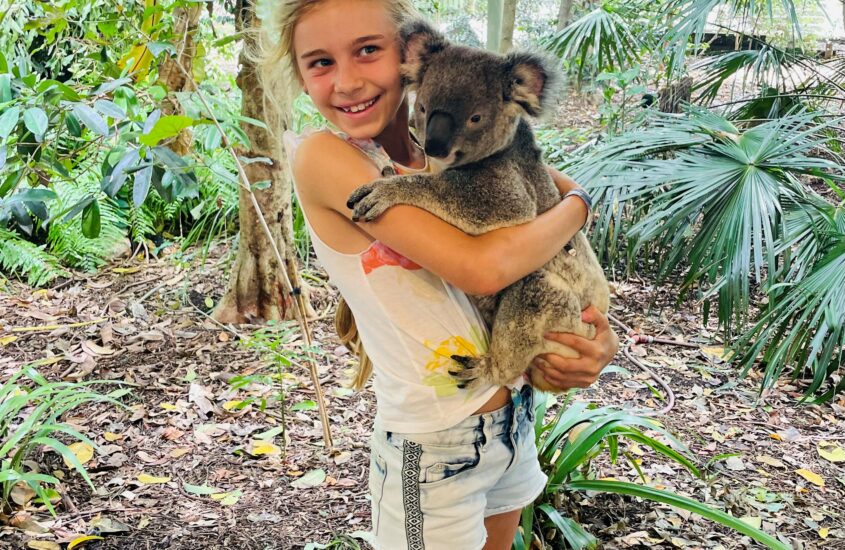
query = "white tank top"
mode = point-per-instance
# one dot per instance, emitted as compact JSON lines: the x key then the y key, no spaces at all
{"x":410,"y":322}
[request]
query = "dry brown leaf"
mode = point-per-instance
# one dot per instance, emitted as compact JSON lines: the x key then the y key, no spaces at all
{"x":22,"y":493}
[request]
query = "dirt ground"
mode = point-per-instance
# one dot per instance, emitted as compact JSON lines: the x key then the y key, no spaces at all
{"x":144,"y":324}
{"x":185,"y":465}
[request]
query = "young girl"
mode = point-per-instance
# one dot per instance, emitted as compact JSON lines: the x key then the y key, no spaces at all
{"x":449,"y":469}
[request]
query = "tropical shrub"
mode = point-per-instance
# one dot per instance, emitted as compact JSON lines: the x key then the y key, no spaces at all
{"x":579,"y":433}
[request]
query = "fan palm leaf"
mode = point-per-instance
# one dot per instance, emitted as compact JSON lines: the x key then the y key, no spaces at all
{"x":602,"y":38}
{"x":687,"y":20}
{"x":767,"y":66}
{"x":713,"y":209}
{"x":805,"y":325}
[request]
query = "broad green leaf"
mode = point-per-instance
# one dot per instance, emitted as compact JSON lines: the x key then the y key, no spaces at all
{"x":312,"y":478}
{"x":91,"y":220}
{"x":304,"y":405}
{"x":5,"y":88}
{"x":112,"y":85}
{"x":166,"y":127}
{"x":73,"y":125}
{"x":108,"y":108}
{"x":157,"y":47}
{"x":270,"y":434}
{"x":141,"y":187}
{"x":200,"y":489}
{"x":91,"y":119}
{"x":8,"y":121}
{"x":35,"y":119}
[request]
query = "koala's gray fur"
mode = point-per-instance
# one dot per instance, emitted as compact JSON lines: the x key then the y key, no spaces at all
{"x":494,"y":177}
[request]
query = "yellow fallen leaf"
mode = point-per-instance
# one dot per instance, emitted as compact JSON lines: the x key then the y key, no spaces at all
{"x":823,"y":532}
{"x":82,"y":541}
{"x":831,"y":451}
{"x":771,"y":461}
{"x":126,"y":269}
{"x":228,"y":499}
{"x":7,"y":340}
{"x":812,"y":477}
{"x":258,"y":448}
{"x":179,"y":451}
{"x":776,"y":436}
{"x":109,"y":436}
{"x":717,"y":352}
{"x":168,"y":406}
{"x":82,"y":451}
{"x":147,"y":479}
{"x":229,"y":405}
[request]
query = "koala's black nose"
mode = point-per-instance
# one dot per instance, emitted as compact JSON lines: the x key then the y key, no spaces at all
{"x":438,"y":134}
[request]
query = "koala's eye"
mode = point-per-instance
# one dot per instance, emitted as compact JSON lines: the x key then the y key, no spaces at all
{"x":422,"y":109}
{"x":475,"y":118}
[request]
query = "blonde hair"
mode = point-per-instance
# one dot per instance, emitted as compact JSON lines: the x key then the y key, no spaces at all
{"x":275,"y":59}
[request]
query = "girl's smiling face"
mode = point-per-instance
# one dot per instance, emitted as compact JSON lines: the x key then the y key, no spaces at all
{"x":348,"y":58}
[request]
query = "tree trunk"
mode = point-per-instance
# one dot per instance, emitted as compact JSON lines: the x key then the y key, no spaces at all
{"x":494,"y":24}
{"x":508,"y":21}
{"x":256,"y":290}
{"x":173,"y":78}
{"x":564,"y":13}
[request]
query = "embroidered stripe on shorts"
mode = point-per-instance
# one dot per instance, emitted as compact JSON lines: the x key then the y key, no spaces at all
{"x":411,"y":453}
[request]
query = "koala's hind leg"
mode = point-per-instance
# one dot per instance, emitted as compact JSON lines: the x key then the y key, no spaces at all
{"x":527,"y":310}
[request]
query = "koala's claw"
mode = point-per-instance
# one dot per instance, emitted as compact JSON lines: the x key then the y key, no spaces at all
{"x":464,"y":371}
{"x":357,"y":195}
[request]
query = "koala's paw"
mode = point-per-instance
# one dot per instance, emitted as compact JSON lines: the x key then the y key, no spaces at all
{"x":467,"y":370}
{"x":369,"y":201}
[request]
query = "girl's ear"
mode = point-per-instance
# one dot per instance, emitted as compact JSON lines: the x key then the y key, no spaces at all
{"x":418,"y":41}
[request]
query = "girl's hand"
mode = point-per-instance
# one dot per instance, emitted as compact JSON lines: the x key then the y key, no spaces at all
{"x":579,"y":372}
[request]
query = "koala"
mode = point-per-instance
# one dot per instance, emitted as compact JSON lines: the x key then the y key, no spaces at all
{"x":471,"y":112}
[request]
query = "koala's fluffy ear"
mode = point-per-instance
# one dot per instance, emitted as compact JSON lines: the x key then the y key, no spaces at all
{"x":533,"y":82}
{"x":419,"y":41}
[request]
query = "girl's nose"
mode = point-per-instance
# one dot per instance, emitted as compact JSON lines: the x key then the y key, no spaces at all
{"x":347,"y":79}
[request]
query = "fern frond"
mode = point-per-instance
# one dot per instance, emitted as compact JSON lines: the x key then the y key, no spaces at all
{"x":21,"y":259}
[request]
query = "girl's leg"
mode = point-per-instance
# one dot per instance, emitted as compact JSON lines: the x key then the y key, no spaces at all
{"x":501,"y":529}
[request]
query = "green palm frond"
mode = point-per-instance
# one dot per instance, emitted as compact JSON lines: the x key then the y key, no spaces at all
{"x":767,"y":67}
{"x":612,"y":171}
{"x":602,"y":38}
{"x":804,"y":328}
{"x":687,"y":20}
{"x":713,"y":208}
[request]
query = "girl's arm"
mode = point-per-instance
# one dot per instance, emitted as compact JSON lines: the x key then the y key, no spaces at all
{"x":564,"y":183}
{"x":327,"y":169}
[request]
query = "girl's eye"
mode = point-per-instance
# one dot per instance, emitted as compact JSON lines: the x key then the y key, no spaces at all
{"x":368,"y":50}
{"x":475,"y":118}
{"x":321,"y":63}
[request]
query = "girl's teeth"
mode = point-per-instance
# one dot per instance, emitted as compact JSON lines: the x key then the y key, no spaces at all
{"x":359,"y":107}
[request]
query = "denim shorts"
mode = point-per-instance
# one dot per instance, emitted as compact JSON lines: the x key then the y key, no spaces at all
{"x":433,"y":490}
